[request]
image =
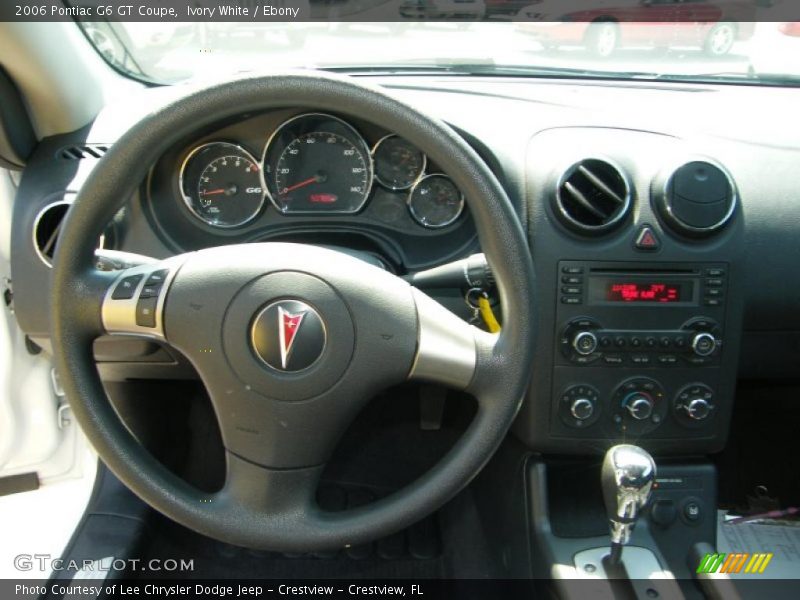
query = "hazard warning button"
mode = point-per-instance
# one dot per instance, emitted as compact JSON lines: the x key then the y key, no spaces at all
{"x":646,"y":239}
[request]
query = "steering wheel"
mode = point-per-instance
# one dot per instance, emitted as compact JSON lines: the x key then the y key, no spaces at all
{"x":290,"y":340}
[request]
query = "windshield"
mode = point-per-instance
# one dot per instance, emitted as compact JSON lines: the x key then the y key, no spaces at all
{"x":745,"y":52}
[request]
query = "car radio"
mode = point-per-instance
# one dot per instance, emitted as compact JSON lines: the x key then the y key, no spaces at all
{"x":653,"y":316}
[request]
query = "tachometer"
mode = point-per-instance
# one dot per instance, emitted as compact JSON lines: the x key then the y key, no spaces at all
{"x":398,"y":164}
{"x":435,"y":201}
{"x":317,"y":163}
{"x":222,"y":184}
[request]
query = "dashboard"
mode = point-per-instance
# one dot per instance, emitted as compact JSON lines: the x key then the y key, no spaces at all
{"x":662,"y":227}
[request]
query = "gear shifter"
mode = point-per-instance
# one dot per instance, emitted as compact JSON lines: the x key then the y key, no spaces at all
{"x":627,"y":478}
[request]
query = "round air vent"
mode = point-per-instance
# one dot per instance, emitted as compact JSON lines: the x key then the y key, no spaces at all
{"x":697,"y":199}
{"x":593,"y":197}
{"x":47,"y":226}
{"x":46,"y":229}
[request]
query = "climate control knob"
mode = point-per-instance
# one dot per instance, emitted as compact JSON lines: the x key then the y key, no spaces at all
{"x":582,"y":408}
{"x":704,"y":344}
{"x":639,"y":405}
{"x":697,"y":408}
{"x":584,"y":343}
{"x":694,"y":404}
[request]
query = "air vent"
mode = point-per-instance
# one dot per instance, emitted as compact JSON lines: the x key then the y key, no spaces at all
{"x":697,"y":199}
{"x":593,"y":197}
{"x":84,"y":151}
{"x":46,"y":229}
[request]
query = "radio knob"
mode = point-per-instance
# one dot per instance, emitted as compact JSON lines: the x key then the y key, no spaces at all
{"x":697,"y":408}
{"x":584,"y":342}
{"x":639,"y":405}
{"x":582,"y":408}
{"x":704,"y":344}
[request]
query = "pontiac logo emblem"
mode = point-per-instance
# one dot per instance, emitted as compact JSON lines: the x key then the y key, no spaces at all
{"x":288,"y":335}
{"x":288,"y":326}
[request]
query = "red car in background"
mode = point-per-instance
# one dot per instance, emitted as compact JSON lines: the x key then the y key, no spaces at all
{"x":714,"y":25}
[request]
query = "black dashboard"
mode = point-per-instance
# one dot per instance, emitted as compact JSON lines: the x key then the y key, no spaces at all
{"x":662,"y":221}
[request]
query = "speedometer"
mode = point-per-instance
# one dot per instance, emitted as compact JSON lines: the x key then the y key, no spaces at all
{"x":317,"y":163}
{"x":221,"y":185}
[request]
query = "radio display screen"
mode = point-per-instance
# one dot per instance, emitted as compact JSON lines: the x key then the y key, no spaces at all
{"x":639,"y":291}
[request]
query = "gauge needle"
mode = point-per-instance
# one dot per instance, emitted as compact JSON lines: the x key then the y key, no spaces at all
{"x":303,"y":183}
{"x":213,"y":192}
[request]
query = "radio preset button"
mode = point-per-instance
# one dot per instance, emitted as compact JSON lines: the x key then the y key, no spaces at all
{"x":572,"y":279}
{"x":650,"y":341}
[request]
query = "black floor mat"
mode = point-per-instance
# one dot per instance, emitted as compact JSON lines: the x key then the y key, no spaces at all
{"x":413,"y":553}
{"x":384,"y":450}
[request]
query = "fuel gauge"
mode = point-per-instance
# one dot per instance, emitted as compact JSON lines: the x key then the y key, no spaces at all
{"x":435,"y":201}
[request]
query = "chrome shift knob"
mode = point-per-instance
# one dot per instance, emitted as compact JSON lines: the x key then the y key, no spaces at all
{"x":627,"y":478}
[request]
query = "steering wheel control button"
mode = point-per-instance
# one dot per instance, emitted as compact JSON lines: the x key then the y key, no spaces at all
{"x":126,"y":288}
{"x":146,"y":312}
{"x":579,"y":406}
{"x":157,"y":277}
{"x":150,"y":291}
{"x":647,"y":239}
{"x":288,"y":335}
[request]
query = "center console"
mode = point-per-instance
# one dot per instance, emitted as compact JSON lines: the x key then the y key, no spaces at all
{"x":638,"y":349}
{"x":638,"y":245}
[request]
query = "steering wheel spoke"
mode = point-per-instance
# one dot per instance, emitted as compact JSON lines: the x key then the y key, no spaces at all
{"x":447,"y":346}
{"x":134,"y":302}
{"x":269,"y":492}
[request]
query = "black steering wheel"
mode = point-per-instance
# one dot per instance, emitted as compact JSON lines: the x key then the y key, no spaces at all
{"x":290,"y":340}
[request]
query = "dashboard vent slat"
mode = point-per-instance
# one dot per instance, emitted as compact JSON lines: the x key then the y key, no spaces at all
{"x":592,"y":197}
{"x":80,"y":152}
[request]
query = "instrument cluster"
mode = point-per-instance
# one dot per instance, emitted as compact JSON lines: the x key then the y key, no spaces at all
{"x":314,"y":164}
